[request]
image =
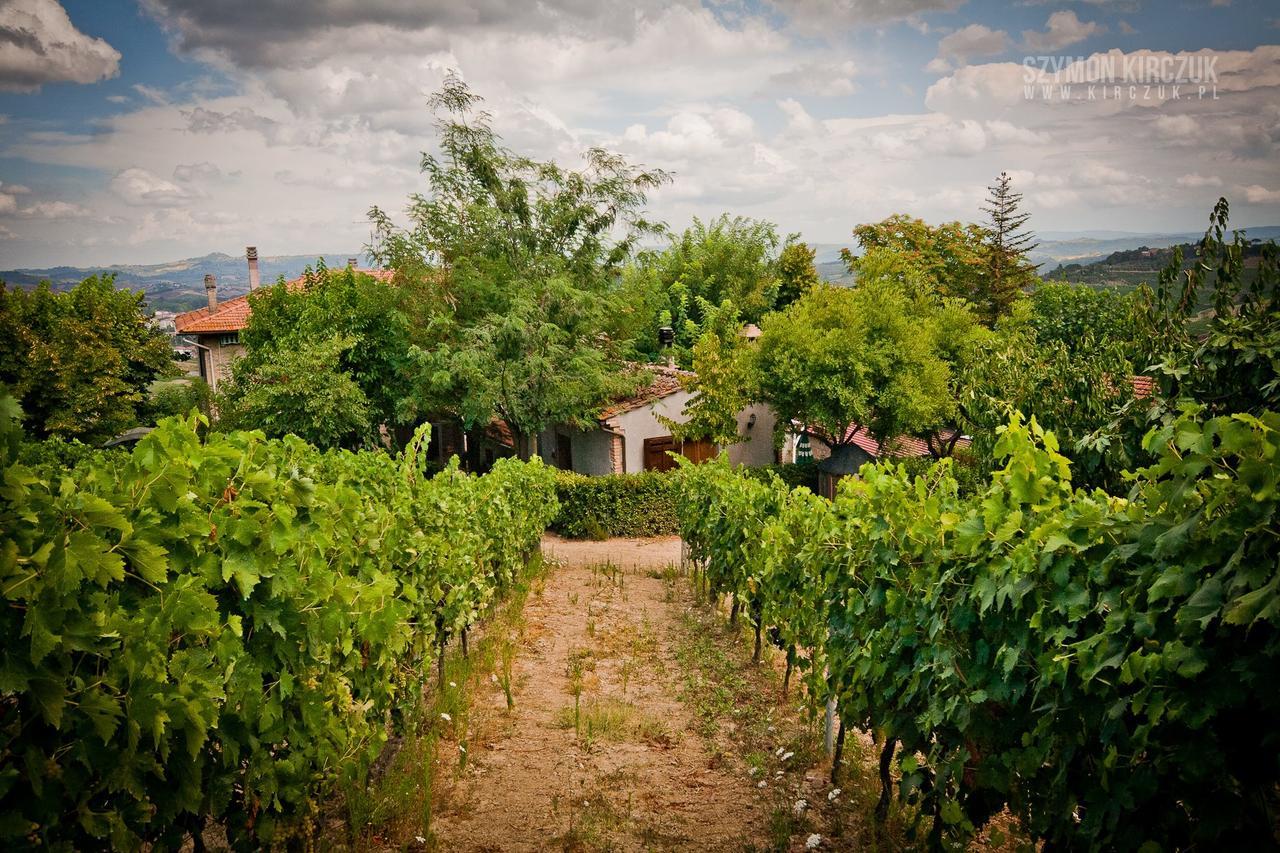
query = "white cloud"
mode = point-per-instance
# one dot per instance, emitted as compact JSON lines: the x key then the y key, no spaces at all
{"x":1197,"y":180}
{"x":822,"y":16}
{"x":1258,"y":194}
{"x":824,"y":79}
{"x":967,"y":43}
{"x":39,"y":44}
{"x":1062,"y":29}
{"x":139,"y":187}
{"x":55,"y":210}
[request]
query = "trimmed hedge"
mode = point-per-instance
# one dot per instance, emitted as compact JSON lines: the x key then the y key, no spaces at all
{"x":642,"y":504}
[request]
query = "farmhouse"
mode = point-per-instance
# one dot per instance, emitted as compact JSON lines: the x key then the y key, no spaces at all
{"x":216,"y":328}
{"x":628,"y":435}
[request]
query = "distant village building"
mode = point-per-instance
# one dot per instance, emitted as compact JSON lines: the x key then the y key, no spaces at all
{"x":629,"y":436}
{"x":215,"y":329}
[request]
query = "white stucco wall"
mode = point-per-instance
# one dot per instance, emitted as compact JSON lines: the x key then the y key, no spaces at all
{"x":758,"y":448}
{"x":639,"y":424}
{"x":590,"y":450}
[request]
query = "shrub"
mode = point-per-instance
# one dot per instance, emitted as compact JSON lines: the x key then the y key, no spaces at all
{"x":640,"y":504}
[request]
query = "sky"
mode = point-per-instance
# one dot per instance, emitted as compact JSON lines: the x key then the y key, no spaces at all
{"x":142,"y":131}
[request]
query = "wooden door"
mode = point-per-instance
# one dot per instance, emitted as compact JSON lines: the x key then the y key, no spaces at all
{"x":655,"y":453}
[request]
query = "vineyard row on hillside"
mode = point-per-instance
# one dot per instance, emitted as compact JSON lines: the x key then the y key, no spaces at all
{"x":1103,"y":667}
{"x":225,"y":629}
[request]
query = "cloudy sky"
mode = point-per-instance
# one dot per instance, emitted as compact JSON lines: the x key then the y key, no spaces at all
{"x":151,"y":130}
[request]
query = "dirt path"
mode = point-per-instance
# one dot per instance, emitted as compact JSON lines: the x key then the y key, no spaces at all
{"x":631,"y":772}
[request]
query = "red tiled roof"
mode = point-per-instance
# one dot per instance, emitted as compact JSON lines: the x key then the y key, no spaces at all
{"x":1143,"y":386}
{"x":901,"y":447}
{"x":499,"y":431}
{"x":233,"y":314}
{"x":665,"y":382}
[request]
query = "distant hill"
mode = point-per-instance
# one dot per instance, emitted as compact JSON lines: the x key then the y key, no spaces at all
{"x":1093,"y":257}
{"x":179,"y":285}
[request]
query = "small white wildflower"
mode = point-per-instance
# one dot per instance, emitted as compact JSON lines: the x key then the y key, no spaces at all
{"x":420,"y":839}
{"x":453,"y":684}
{"x":788,"y":756}
{"x":762,"y":784}
{"x":462,"y":747}
{"x":799,"y":807}
{"x":446,"y":718}
{"x":831,"y":797}
{"x":813,"y":842}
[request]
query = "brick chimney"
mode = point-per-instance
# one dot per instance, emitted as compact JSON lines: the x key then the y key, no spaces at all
{"x":251,"y":254}
{"x":211,"y":290}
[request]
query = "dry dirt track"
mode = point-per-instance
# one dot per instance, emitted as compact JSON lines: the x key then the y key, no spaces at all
{"x":634,"y":775}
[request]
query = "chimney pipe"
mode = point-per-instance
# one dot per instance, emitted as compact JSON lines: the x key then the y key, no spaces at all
{"x":351,"y":262}
{"x":251,"y":253}
{"x":211,"y":290}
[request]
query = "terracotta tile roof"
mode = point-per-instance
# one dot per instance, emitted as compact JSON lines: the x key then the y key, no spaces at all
{"x":499,"y":431}
{"x":665,"y":382}
{"x":233,"y":314}
{"x":901,"y":447}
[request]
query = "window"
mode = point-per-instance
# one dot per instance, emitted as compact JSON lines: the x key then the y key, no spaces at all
{"x":229,"y":340}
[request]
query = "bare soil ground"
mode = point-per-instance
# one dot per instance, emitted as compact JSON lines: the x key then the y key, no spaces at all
{"x":631,"y":773}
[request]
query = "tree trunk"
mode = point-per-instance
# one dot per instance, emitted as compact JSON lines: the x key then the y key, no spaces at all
{"x":733,"y":612}
{"x":464,"y":642}
{"x":835,"y":760}
{"x":786,"y":678}
{"x":886,"y":781}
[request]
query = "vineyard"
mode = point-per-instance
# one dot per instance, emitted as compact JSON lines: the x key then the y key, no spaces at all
{"x":223,"y":630}
{"x":1102,"y":667}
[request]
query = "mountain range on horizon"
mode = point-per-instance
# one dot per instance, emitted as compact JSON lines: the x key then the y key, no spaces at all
{"x":179,"y":285}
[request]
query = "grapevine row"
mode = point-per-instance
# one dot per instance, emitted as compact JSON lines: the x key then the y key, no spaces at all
{"x":1102,"y":667}
{"x":226,"y":628}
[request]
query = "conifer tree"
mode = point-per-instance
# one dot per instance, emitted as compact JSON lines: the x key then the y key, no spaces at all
{"x":1008,"y":242}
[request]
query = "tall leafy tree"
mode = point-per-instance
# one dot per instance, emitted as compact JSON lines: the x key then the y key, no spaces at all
{"x":301,"y":390}
{"x":330,"y":305}
{"x":840,"y":356}
{"x":924,"y":260}
{"x":728,"y":258}
{"x":797,"y":274}
{"x":1082,"y":318}
{"x":80,"y":362}
{"x":518,"y":263}
{"x":724,"y":380}
{"x":1007,"y":271}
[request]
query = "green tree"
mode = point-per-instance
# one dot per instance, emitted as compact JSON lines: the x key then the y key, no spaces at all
{"x":80,"y":362}
{"x":723,"y":381}
{"x":303,"y":390}
{"x":797,"y":274}
{"x":924,"y":260}
{"x":1081,"y":318}
{"x":840,"y":356}
{"x":729,"y":258}
{"x":343,"y":304}
{"x":1007,"y":271}
{"x":518,"y":265}
{"x":1229,"y":361}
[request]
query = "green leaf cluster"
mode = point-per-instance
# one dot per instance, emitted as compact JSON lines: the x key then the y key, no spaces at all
{"x":224,"y":629}
{"x":80,"y":362}
{"x":1102,"y":667}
